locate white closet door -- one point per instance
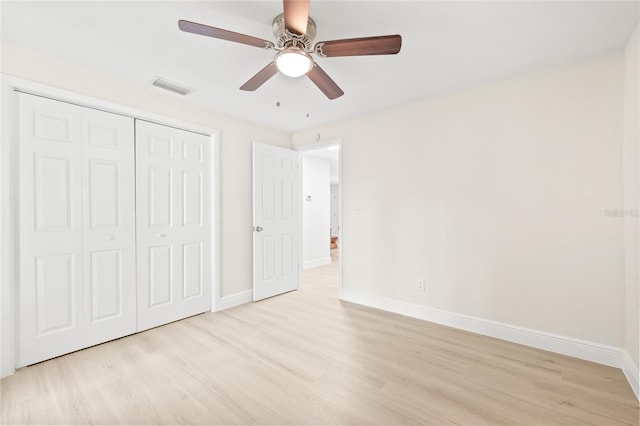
(77, 239)
(173, 224)
(109, 238)
(50, 216)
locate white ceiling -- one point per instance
(447, 46)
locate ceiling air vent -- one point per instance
(171, 86)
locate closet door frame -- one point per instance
(9, 238)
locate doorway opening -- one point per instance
(321, 208)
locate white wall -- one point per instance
(236, 138)
(315, 213)
(497, 197)
(631, 212)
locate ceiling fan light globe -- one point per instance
(293, 62)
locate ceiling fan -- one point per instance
(295, 32)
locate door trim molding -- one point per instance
(9, 85)
(232, 300)
(631, 372)
(312, 147)
(8, 225)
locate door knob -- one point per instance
(161, 235)
(258, 228)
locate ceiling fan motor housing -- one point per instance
(285, 38)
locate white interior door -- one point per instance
(173, 198)
(276, 221)
(76, 209)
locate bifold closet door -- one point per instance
(76, 228)
(173, 205)
(109, 231)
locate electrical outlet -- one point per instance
(421, 285)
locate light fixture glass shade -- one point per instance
(293, 62)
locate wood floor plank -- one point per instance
(307, 358)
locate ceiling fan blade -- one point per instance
(260, 78)
(380, 45)
(296, 15)
(324, 82)
(205, 30)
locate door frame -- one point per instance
(322, 144)
(9, 238)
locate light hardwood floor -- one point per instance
(307, 358)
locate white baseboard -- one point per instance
(590, 351)
(632, 372)
(316, 262)
(232, 300)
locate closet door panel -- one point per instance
(76, 228)
(108, 243)
(50, 229)
(173, 236)
(109, 226)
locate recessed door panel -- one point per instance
(54, 126)
(192, 151)
(268, 248)
(102, 135)
(52, 185)
(160, 146)
(268, 199)
(192, 271)
(160, 275)
(106, 284)
(103, 191)
(192, 198)
(267, 160)
(287, 199)
(160, 196)
(287, 255)
(55, 282)
(287, 164)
